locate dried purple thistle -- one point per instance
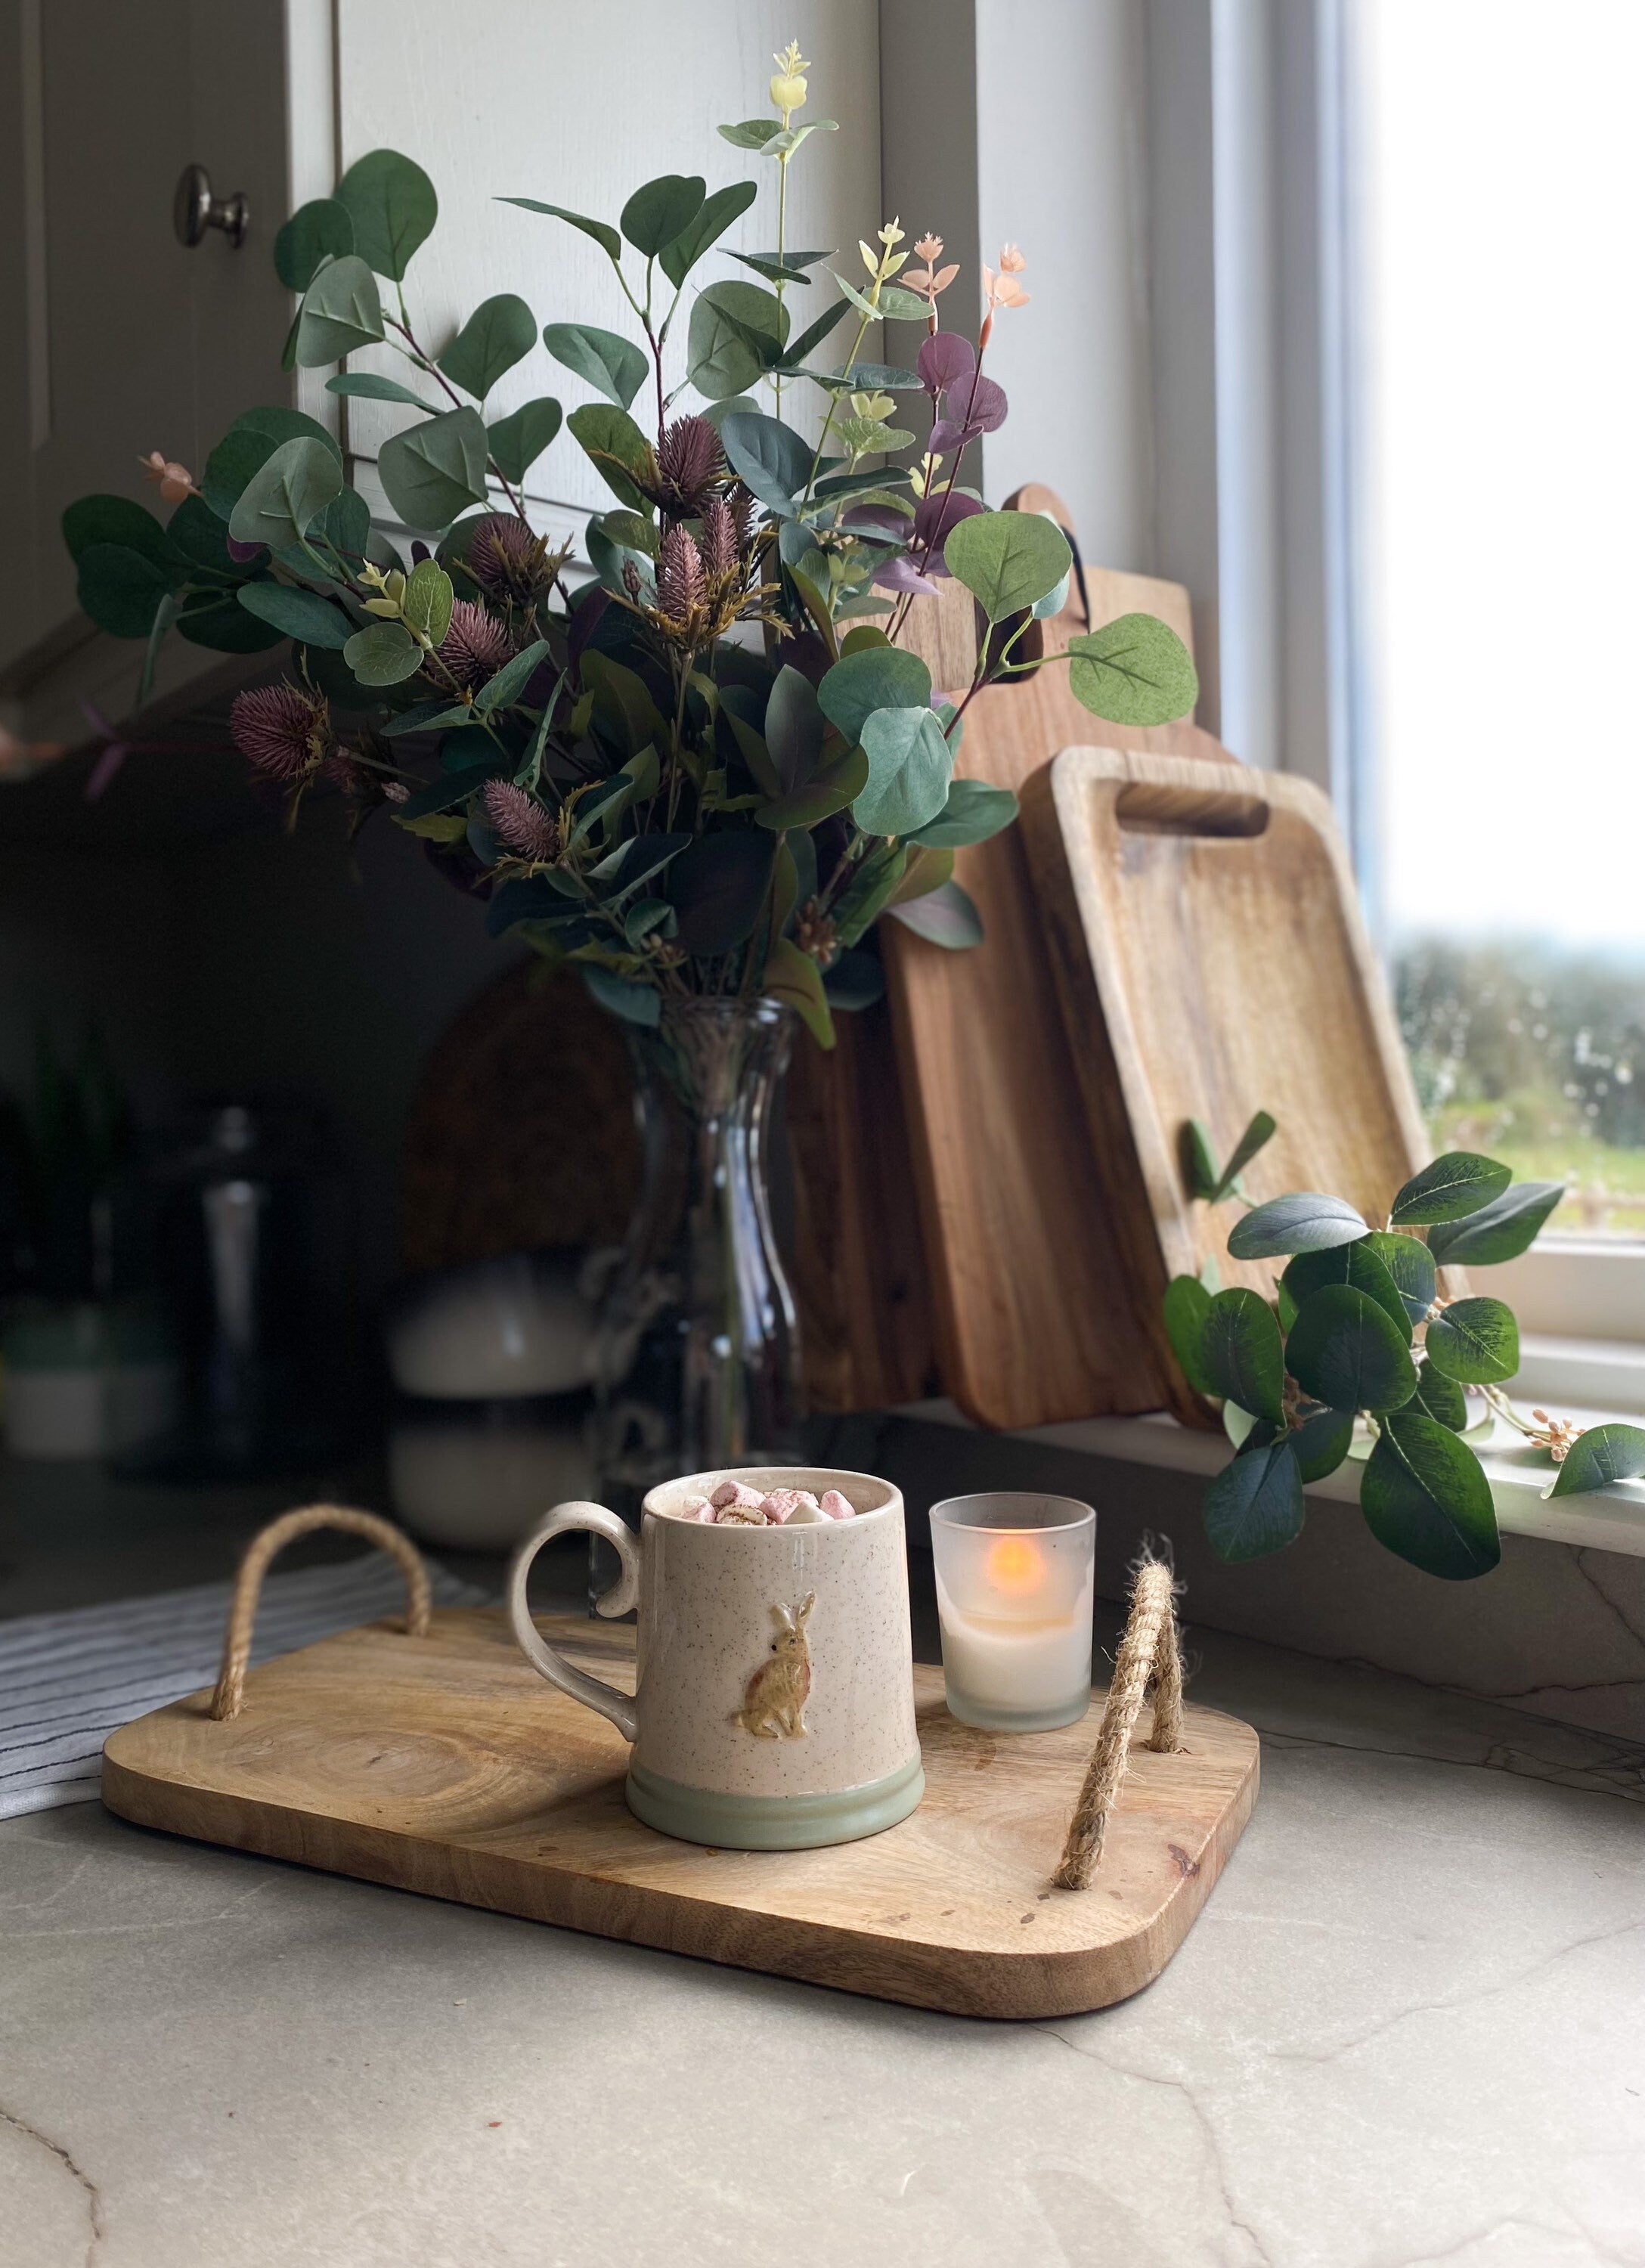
(690, 464)
(476, 645)
(522, 824)
(740, 502)
(721, 553)
(681, 589)
(282, 730)
(503, 558)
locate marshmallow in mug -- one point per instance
(735, 1504)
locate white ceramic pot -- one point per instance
(775, 1704)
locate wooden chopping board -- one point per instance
(1031, 1283)
(1211, 962)
(444, 1764)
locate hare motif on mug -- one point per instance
(773, 1704)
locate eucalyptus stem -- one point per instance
(782, 224)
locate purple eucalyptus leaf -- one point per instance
(935, 515)
(947, 359)
(242, 554)
(878, 526)
(986, 407)
(947, 436)
(901, 575)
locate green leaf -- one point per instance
(433, 471)
(736, 333)
(894, 305)
(518, 440)
(794, 727)
(117, 519)
(878, 677)
(1411, 1264)
(717, 887)
(341, 312)
(1303, 1221)
(1198, 1159)
(788, 268)
(1187, 1307)
(1255, 1504)
(1439, 1398)
(830, 790)
(974, 813)
(1242, 1354)
(501, 332)
(1133, 671)
(370, 386)
(1499, 1230)
(1321, 1442)
(1257, 1136)
(910, 766)
(613, 365)
(120, 589)
(1346, 1350)
(1425, 1496)
(320, 230)
(788, 138)
(195, 530)
(662, 210)
(426, 604)
(277, 504)
(635, 1003)
(1475, 1342)
(792, 976)
(297, 614)
(714, 218)
(393, 206)
(1603, 1455)
(1450, 1188)
(226, 627)
(946, 917)
(768, 457)
(752, 134)
(865, 899)
(383, 654)
(813, 336)
(246, 447)
(615, 446)
(510, 680)
(1357, 1263)
(1008, 559)
(602, 232)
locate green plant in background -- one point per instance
(710, 764)
(1357, 1338)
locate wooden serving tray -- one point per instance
(444, 1764)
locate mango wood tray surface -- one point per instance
(444, 1765)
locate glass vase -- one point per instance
(697, 1351)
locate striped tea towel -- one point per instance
(67, 1679)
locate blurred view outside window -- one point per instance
(1499, 196)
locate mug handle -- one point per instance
(548, 1661)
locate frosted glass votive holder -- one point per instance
(1016, 1578)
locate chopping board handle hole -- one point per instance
(1149, 808)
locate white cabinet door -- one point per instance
(578, 105)
(120, 338)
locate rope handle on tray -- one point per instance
(242, 1608)
(1149, 1649)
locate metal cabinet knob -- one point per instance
(195, 210)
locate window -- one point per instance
(1496, 180)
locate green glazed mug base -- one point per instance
(773, 1822)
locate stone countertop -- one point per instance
(1405, 2029)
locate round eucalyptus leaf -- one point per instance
(518, 440)
(120, 588)
(392, 204)
(427, 603)
(341, 312)
(433, 471)
(682, 251)
(1303, 1221)
(1451, 1188)
(717, 887)
(878, 677)
(1187, 1307)
(296, 614)
(321, 230)
(1441, 1398)
(1411, 1264)
(280, 502)
(1356, 1263)
(1499, 1230)
(946, 917)
(1255, 1504)
(501, 332)
(1603, 1455)
(118, 520)
(1321, 1442)
(1346, 1350)
(612, 365)
(1241, 1353)
(1425, 1496)
(662, 210)
(1133, 671)
(1475, 1341)
(974, 813)
(1007, 560)
(910, 766)
(383, 654)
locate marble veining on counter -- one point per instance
(1406, 2031)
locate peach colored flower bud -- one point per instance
(174, 481)
(1011, 261)
(929, 249)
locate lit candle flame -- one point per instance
(1015, 1564)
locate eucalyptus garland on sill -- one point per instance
(699, 772)
(1358, 1340)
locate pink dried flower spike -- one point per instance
(522, 824)
(475, 644)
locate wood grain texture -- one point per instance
(1036, 1320)
(444, 1765)
(1209, 971)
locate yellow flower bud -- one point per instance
(788, 88)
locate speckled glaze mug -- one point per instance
(775, 1704)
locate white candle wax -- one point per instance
(1011, 1662)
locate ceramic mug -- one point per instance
(774, 1709)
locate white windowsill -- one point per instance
(1611, 1519)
